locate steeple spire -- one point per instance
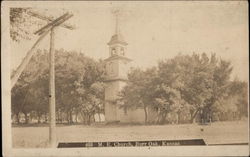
(116, 12)
(117, 37)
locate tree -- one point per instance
(18, 23)
(139, 91)
(202, 79)
(39, 97)
(91, 90)
(30, 91)
(79, 85)
(173, 73)
(74, 72)
(92, 101)
(17, 100)
(221, 82)
(186, 82)
(235, 102)
(167, 101)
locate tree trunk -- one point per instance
(76, 116)
(60, 117)
(178, 117)
(68, 117)
(89, 116)
(157, 117)
(26, 118)
(17, 118)
(86, 119)
(99, 116)
(162, 118)
(193, 116)
(71, 118)
(83, 118)
(38, 118)
(146, 114)
(46, 118)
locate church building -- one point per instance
(117, 67)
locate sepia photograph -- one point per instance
(139, 78)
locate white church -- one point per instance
(117, 67)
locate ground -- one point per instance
(216, 133)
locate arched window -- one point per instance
(113, 52)
(111, 70)
(122, 51)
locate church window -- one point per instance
(122, 51)
(110, 68)
(113, 52)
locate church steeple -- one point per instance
(117, 66)
(116, 22)
(117, 43)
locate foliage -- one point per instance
(79, 86)
(18, 24)
(196, 83)
(186, 88)
(139, 91)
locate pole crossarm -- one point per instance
(48, 19)
(56, 22)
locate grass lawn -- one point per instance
(216, 133)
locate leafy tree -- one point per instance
(193, 83)
(92, 101)
(30, 92)
(73, 72)
(17, 21)
(91, 90)
(236, 100)
(17, 100)
(168, 95)
(167, 101)
(79, 84)
(39, 97)
(139, 92)
(202, 80)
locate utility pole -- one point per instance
(50, 27)
(52, 102)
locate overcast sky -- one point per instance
(153, 30)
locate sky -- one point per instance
(153, 30)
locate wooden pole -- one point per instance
(26, 60)
(52, 103)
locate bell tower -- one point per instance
(116, 68)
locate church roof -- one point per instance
(117, 57)
(117, 39)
